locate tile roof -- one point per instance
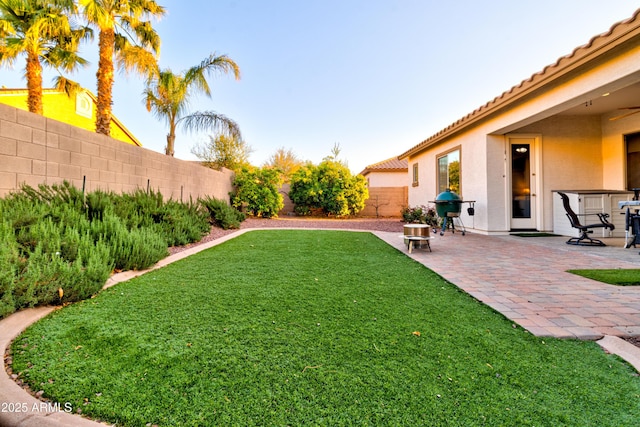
(390, 165)
(598, 45)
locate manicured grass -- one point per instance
(617, 276)
(304, 327)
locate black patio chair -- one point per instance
(584, 239)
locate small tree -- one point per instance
(377, 203)
(257, 191)
(328, 187)
(226, 151)
(285, 161)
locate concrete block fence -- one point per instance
(36, 150)
(388, 200)
(385, 202)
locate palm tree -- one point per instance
(167, 96)
(41, 30)
(124, 36)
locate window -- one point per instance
(415, 175)
(84, 105)
(633, 159)
(449, 171)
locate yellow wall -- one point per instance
(59, 106)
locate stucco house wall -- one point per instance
(387, 179)
(566, 110)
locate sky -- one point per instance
(375, 77)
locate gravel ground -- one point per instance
(377, 224)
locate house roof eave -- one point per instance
(618, 34)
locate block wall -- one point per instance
(36, 150)
(388, 200)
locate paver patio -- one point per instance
(525, 279)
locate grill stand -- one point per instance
(452, 210)
(448, 222)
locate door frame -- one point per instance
(537, 199)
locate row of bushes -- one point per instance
(60, 245)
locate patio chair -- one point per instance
(584, 239)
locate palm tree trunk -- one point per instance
(169, 151)
(105, 81)
(171, 137)
(34, 83)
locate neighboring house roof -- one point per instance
(390, 165)
(597, 47)
(78, 110)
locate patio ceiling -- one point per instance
(613, 102)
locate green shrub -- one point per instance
(97, 204)
(257, 191)
(182, 223)
(62, 261)
(178, 223)
(55, 194)
(60, 245)
(221, 213)
(134, 249)
(9, 267)
(328, 188)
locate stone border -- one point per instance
(38, 413)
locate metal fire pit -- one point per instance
(416, 236)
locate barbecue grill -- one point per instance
(448, 207)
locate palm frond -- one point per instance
(137, 59)
(211, 121)
(67, 86)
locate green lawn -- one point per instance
(617, 276)
(313, 328)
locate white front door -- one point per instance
(523, 165)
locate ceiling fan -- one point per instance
(626, 114)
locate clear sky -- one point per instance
(375, 76)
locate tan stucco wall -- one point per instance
(36, 149)
(613, 149)
(386, 179)
(579, 152)
(571, 157)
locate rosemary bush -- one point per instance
(221, 213)
(60, 245)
